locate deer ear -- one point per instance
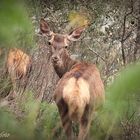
(75, 34)
(44, 27)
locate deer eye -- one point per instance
(66, 47)
(49, 43)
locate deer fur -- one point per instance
(18, 64)
(80, 90)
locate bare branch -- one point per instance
(96, 53)
(123, 34)
(127, 36)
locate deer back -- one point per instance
(18, 63)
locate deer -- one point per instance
(80, 91)
(18, 65)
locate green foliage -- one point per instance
(29, 127)
(123, 97)
(31, 108)
(9, 125)
(122, 104)
(49, 125)
(15, 24)
(7, 121)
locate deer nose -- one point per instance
(55, 58)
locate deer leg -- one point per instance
(66, 122)
(67, 125)
(85, 124)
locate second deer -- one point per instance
(80, 90)
(18, 66)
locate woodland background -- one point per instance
(111, 41)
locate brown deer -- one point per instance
(80, 90)
(18, 64)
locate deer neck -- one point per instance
(67, 65)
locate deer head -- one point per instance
(59, 43)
